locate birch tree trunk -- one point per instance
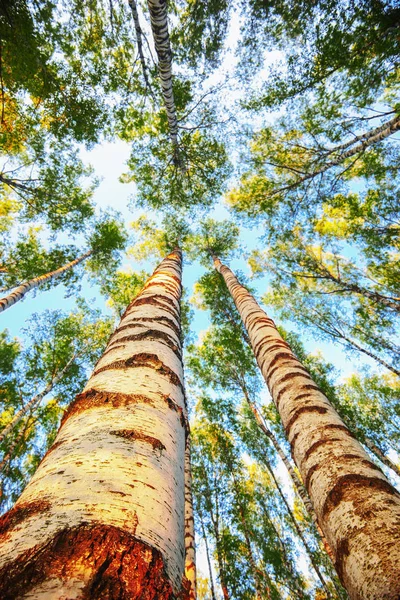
(103, 516)
(159, 26)
(21, 290)
(368, 139)
(190, 552)
(35, 401)
(357, 508)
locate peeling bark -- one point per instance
(103, 516)
(357, 509)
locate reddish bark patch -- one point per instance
(357, 488)
(131, 434)
(300, 411)
(117, 566)
(144, 359)
(309, 474)
(19, 513)
(94, 398)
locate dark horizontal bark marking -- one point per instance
(320, 442)
(300, 411)
(339, 427)
(175, 292)
(277, 346)
(94, 398)
(109, 348)
(259, 320)
(364, 461)
(261, 351)
(307, 386)
(144, 359)
(168, 274)
(162, 319)
(287, 356)
(131, 434)
(289, 377)
(157, 299)
(154, 300)
(117, 566)
(349, 487)
(294, 364)
(342, 457)
(150, 334)
(19, 513)
(128, 326)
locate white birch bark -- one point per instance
(159, 26)
(366, 140)
(357, 508)
(104, 512)
(22, 289)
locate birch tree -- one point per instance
(107, 239)
(125, 434)
(159, 27)
(348, 483)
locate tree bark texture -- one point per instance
(190, 551)
(357, 508)
(103, 516)
(159, 26)
(21, 290)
